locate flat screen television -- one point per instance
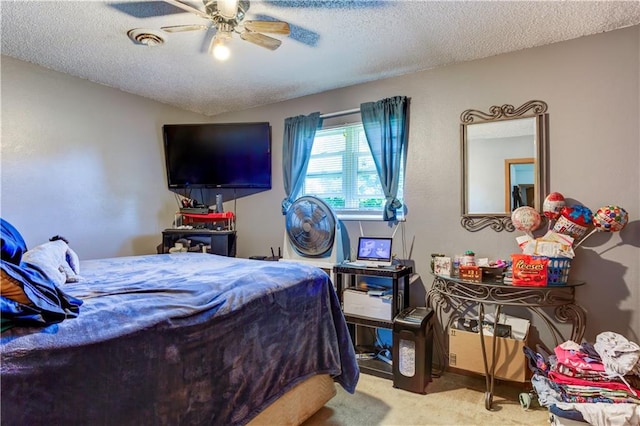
(227, 155)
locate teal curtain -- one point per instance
(299, 133)
(386, 126)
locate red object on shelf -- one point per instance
(228, 217)
(209, 216)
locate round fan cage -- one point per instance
(310, 225)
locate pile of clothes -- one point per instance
(31, 280)
(595, 383)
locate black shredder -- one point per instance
(412, 349)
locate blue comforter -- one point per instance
(176, 339)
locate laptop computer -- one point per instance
(374, 252)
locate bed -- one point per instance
(180, 339)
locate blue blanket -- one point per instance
(173, 339)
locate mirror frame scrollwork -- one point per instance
(535, 108)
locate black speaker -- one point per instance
(412, 349)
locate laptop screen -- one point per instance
(374, 251)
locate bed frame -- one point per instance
(300, 403)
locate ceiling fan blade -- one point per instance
(146, 9)
(261, 40)
(298, 33)
(304, 36)
(273, 27)
(188, 8)
(181, 28)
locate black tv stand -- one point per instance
(221, 242)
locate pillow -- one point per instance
(52, 259)
(74, 261)
(13, 245)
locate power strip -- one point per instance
(365, 356)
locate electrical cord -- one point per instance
(384, 355)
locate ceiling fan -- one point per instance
(227, 16)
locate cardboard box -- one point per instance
(465, 352)
(359, 303)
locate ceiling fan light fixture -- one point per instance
(219, 49)
(228, 8)
(221, 52)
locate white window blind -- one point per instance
(342, 172)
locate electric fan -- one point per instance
(313, 233)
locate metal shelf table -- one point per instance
(345, 277)
(453, 294)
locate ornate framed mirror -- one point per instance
(504, 163)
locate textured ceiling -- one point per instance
(333, 43)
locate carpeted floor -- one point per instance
(450, 400)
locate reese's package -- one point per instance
(529, 270)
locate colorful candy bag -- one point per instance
(529, 270)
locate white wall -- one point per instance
(86, 161)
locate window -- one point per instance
(342, 172)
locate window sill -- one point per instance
(364, 216)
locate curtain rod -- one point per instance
(340, 113)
